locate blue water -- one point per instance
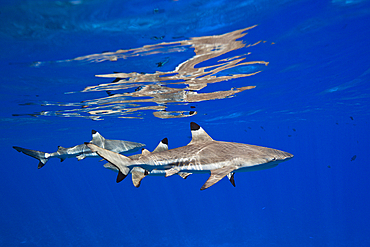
(309, 63)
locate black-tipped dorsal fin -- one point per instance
(61, 150)
(162, 146)
(198, 134)
(97, 138)
(145, 152)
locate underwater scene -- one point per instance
(185, 123)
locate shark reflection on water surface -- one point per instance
(201, 155)
(214, 61)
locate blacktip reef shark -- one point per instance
(82, 151)
(201, 155)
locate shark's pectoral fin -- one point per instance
(62, 159)
(171, 171)
(217, 175)
(138, 174)
(184, 175)
(230, 176)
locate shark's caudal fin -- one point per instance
(35, 154)
(118, 160)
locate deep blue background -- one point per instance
(312, 100)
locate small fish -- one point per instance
(353, 157)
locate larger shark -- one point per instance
(82, 151)
(201, 155)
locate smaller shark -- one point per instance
(201, 155)
(82, 151)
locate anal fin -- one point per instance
(217, 175)
(184, 175)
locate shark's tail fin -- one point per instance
(41, 156)
(118, 160)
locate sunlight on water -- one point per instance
(155, 91)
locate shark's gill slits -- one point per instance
(132, 94)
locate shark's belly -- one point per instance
(257, 167)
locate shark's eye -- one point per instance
(273, 159)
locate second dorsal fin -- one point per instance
(145, 152)
(198, 134)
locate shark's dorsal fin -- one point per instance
(198, 134)
(97, 138)
(145, 152)
(61, 149)
(162, 146)
(217, 175)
